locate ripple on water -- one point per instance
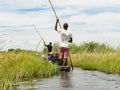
(75, 80)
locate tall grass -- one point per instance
(95, 56)
(109, 63)
(55, 48)
(91, 47)
(18, 66)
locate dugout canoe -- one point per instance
(64, 68)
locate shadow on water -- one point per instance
(65, 80)
(75, 80)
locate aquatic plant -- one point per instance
(23, 65)
(95, 56)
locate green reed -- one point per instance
(109, 63)
(96, 56)
(20, 66)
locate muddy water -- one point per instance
(75, 80)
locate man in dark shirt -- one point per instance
(49, 47)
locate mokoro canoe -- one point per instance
(64, 68)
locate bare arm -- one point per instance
(56, 24)
(44, 43)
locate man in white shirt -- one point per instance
(66, 38)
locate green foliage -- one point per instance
(86, 47)
(105, 62)
(56, 47)
(18, 50)
(24, 65)
(90, 47)
(96, 56)
(44, 50)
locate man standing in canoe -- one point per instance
(49, 47)
(66, 38)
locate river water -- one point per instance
(75, 80)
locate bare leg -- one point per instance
(61, 61)
(65, 62)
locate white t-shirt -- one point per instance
(65, 36)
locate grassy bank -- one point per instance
(20, 66)
(107, 62)
(95, 56)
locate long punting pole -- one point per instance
(61, 28)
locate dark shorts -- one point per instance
(64, 52)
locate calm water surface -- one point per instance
(75, 80)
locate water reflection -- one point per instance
(76, 80)
(65, 80)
